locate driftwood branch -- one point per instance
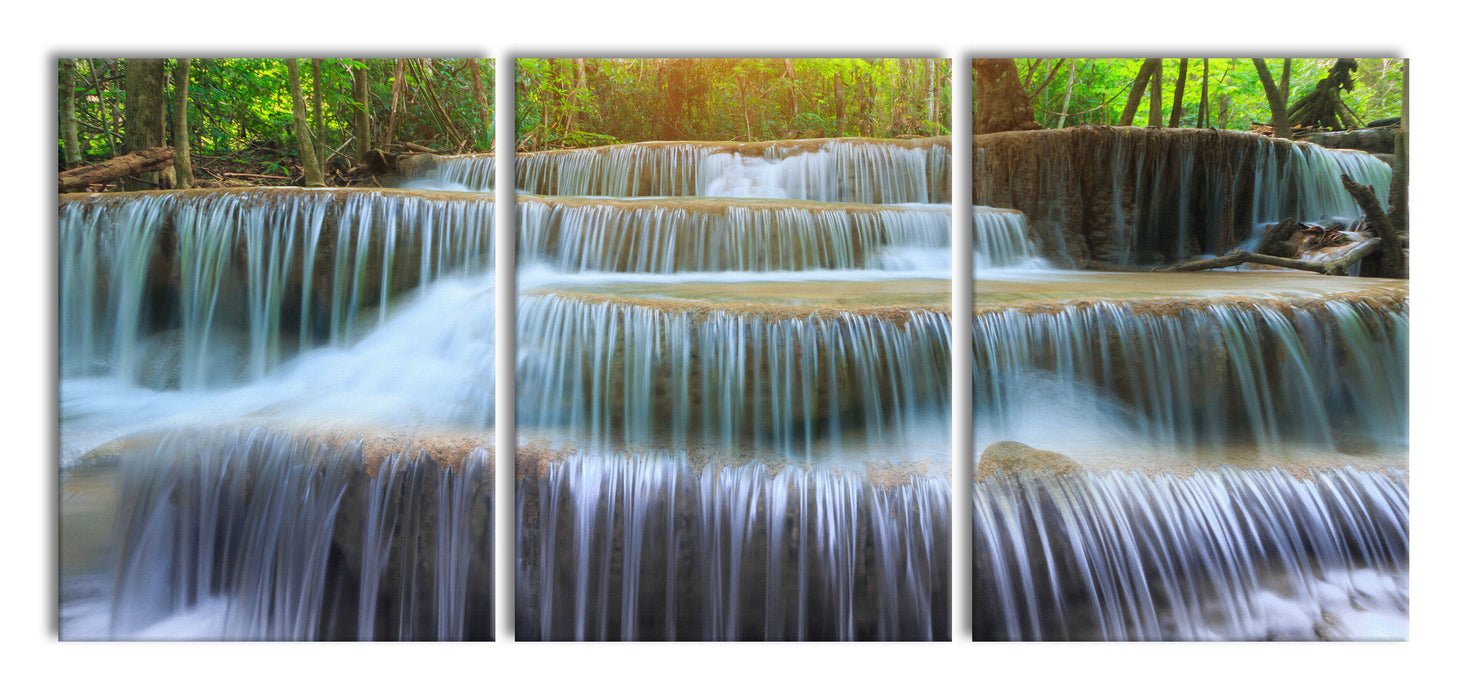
(1333, 266)
(145, 161)
(1393, 262)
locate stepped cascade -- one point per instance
(276, 410)
(733, 371)
(1183, 456)
(1133, 196)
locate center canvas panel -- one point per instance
(733, 335)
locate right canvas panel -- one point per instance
(1190, 341)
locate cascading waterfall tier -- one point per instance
(657, 546)
(257, 274)
(1190, 373)
(1218, 554)
(1134, 196)
(784, 379)
(706, 234)
(876, 171)
(254, 533)
(1002, 240)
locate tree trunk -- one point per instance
(392, 106)
(1203, 99)
(97, 65)
(1393, 262)
(318, 133)
(1397, 200)
(1175, 119)
(66, 96)
(1279, 114)
(1000, 102)
(183, 168)
(361, 123)
(790, 73)
(143, 114)
(578, 89)
(840, 106)
(1070, 84)
(1154, 101)
(479, 98)
(304, 146)
(1139, 86)
(149, 160)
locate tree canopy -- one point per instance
(567, 103)
(240, 109)
(1072, 91)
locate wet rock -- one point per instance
(1015, 459)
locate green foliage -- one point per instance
(243, 104)
(1101, 87)
(726, 99)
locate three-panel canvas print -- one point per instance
(764, 367)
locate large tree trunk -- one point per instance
(1154, 101)
(477, 84)
(361, 123)
(1139, 87)
(183, 168)
(309, 164)
(66, 97)
(1175, 119)
(1000, 102)
(1279, 114)
(149, 160)
(143, 115)
(1397, 199)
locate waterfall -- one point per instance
(668, 236)
(1002, 240)
(608, 371)
(829, 170)
(1195, 375)
(652, 546)
(1149, 196)
(255, 534)
(1226, 554)
(235, 281)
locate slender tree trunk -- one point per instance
(1139, 87)
(318, 134)
(1070, 84)
(143, 115)
(1225, 111)
(794, 107)
(1284, 85)
(392, 106)
(578, 89)
(1203, 99)
(183, 168)
(97, 66)
(1175, 119)
(840, 106)
(1154, 102)
(1277, 111)
(309, 163)
(66, 97)
(362, 124)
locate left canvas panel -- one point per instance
(276, 349)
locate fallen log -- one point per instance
(1393, 263)
(1333, 266)
(145, 161)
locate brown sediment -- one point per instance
(1013, 459)
(279, 193)
(705, 205)
(888, 301)
(1155, 294)
(758, 148)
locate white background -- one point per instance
(39, 33)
